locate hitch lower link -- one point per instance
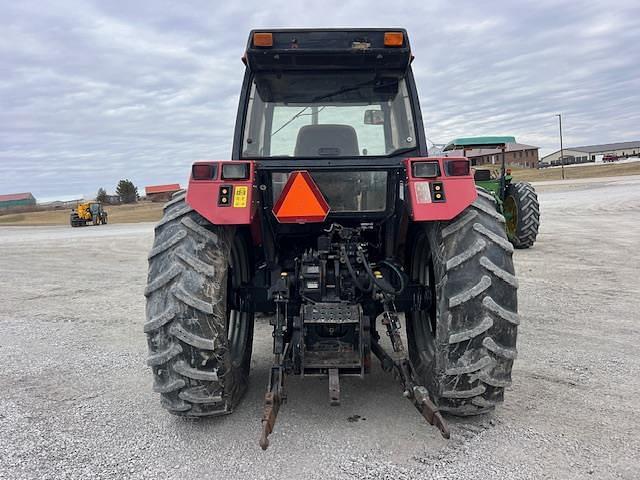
(418, 394)
(276, 395)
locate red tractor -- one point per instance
(332, 219)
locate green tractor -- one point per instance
(517, 201)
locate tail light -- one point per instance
(203, 171)
(426, 169)
(235, 171)
(458, 168)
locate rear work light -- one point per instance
(457, 168)
(262, 39)
(203, 171)
(426, 169)
(393, 39)
(235, 171)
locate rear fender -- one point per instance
(223, 201)
(440, 197)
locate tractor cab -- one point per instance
(329, 95)
(96, 209)
(341, 105)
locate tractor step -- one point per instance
(331, 359)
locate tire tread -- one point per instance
(476, 299)
(526, 201)
(185, 316)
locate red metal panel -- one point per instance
(459, 192)
(203, 195)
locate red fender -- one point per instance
(223, 201)
(444, 195)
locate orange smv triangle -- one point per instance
(301, 201)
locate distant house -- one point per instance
(516, 154)
(593, 153)
(112, 199)
(61, 201)
(58, 204)
(161, 193)
(17, 200)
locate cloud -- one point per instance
(95, 91)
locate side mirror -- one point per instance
(373, 117)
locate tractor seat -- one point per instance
(327, 141)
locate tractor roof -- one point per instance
(478, 142)
(328, 48)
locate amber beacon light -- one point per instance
(263, 39)
(393, 39)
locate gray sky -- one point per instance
(95, 91)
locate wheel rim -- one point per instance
(424, 321)
(510, 215)
(237, 321)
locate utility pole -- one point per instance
(559, 115)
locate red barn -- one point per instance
(17, 200)
(161, 193)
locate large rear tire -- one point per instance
(522, 213)
(199, 346)
(464, 346)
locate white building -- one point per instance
(593, 153)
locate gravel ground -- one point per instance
(77, 399)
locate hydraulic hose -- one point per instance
(382, 287)
(352, 272)
(400, 274)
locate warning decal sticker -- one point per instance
(240, 194)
